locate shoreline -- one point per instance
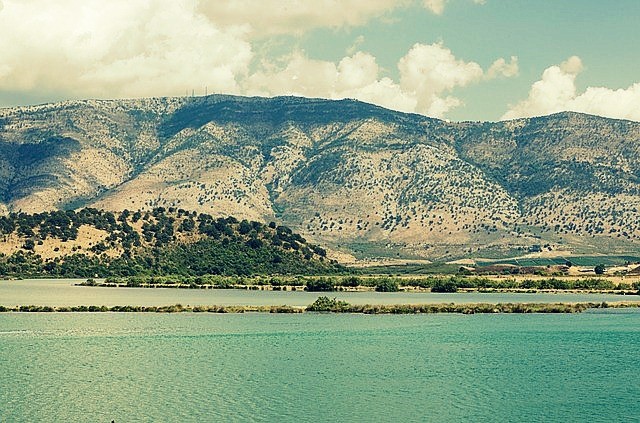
(363, 288)
(327, 305)
(354, 283)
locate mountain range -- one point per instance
(364, 181)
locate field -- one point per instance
(617, 266)
(586, 261)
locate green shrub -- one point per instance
(328, 304)
(351, 281)
(444, 286)
(387, 285)
(320, 285)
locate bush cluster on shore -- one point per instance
(377, 283)
(174, 308)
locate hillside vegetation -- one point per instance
(95, 243)
(357, 178)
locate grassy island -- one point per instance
(332, 305)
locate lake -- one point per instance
(136, 367)
(63, 292)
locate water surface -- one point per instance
(136, 367)
(63, 292)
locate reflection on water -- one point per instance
(63, 292)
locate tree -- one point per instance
(599, 269)
(328, 304)
(387, 285)
(255, 243)
(29, 244)
(245, 227)
(320, 285)
(444, 286)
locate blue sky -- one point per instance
(453, 59)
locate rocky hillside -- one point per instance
(355, 177)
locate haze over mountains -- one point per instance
(349, 175)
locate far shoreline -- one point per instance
(405, 289)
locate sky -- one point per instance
(450, 59)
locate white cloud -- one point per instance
(550, 94)
(356, 76)
(428, 74)
(356, 44)
(386, 93)
(428, 71)
(301, 76)
(268, 17)
(557, 92)
(503, 68)
(620, 104)
(572, 66)
(91, 48)
(115, 49)
(436, 6)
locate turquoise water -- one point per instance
(63, 292)
(134, 367)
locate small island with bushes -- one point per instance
(325, 304)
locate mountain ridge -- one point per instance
(350, 175)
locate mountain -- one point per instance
(358, 178)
